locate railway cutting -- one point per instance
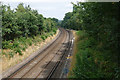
(51, 62)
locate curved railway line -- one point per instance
(46, 64)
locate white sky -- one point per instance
(48, 8)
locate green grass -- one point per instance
(21, 44)
(93, 61)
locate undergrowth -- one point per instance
(18, 45)
(93, 60)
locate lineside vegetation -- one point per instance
(21, 25)
(99, 39)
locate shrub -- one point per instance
(17, 50)
(24, 48)
(54, 31)
(46, 36)
(43, 37)
(11, 54)
(51, 34)
(6, 44)
(15, 44)
(30, 43)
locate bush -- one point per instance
(54, 31)
(7, 45)
(17, 50)
(43, 37)
(29, 42)
(15, 44)
(24, 48)
(51, 34)
(46, 36)
(33, 30)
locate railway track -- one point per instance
(46, 63)
(54, 70)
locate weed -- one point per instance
(11, 54)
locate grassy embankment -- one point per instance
(21, 48)
(92, 60)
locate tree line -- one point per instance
(24, 22)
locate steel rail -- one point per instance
(58, 62)
(38, 62)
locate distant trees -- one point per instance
(54, 19)
(24, 22)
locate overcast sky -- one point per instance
(48, 8)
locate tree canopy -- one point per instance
(24, 22)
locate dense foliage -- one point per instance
(22, 24)
(98, 53)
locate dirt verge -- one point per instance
(73, 60)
